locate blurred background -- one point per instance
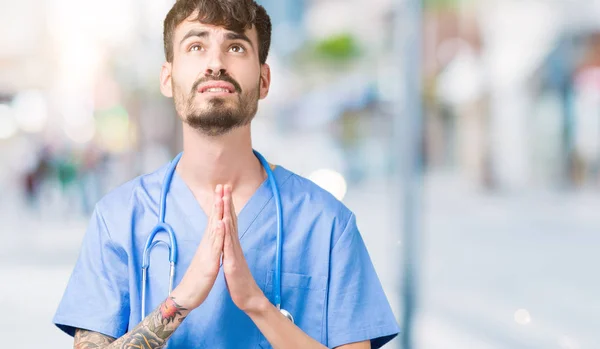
(484, 231)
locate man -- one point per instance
(216, 72)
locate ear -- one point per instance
(265, 80)
(166, 88)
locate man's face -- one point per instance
(215, 78)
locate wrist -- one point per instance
(257, 306)
(185, 299)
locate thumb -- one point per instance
(219, 235)
(228, 253)
(218, 242)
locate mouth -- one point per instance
(216, 88)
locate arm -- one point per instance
(283, 334)
(246, 295)
(157, 327)
(151, 333)
(154, 331)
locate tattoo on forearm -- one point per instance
(85, 339)
(156, 328)
(151, 333)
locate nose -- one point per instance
(215, 65)
(215, 73)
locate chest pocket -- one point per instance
(304, 297)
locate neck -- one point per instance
(211, 160)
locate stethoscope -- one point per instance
(172, 245)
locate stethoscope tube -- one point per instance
(161, 226)
(277, 279)
(278, 252)
(172, 245)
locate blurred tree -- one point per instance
(340, 47)
(437, 4)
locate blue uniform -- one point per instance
(328, 282)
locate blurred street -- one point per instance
(481, 287)
(513, 271)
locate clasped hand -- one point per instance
(220, 242)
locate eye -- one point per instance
(195, 47)
(237, 48)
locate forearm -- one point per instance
(279, 331)
(152, 333)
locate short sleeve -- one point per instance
(96, 297)
(357, 308)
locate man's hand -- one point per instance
(202, 272)
(244, 291)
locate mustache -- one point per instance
(225, 78)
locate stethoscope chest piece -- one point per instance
(287, 315)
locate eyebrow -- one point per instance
(239, 36)
(204, 34)
(194, 32)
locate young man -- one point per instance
(224, 217)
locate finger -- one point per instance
(232, 238)
(234, 219)
(230, 219)
(211, 220)
(216, 215)
(233, 215)
(218, 241)
(228, 240)
(228, 193)
(219, 236)
(227, 201)
(218, 204)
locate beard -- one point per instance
(218, 115)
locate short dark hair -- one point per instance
(234, 15)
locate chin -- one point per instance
(208, 110)
(212, 101)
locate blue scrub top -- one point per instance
(329, 284)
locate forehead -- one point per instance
(214, 30)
